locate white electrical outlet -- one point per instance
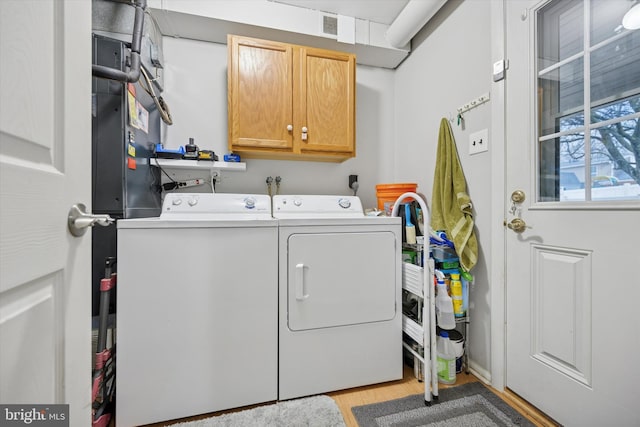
(479, 141)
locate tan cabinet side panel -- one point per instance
(260, 95)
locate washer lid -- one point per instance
(315, 206)
(216, 206)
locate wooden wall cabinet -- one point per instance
(290, 102)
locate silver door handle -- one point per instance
(79, 220)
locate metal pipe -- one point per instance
(411, 19)
(133, 75)
(269, 182)
(278, 179)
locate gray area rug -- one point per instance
(316, 411)
(467, 405)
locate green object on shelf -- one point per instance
(409, 255)
(450, 264)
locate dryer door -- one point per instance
(338, 279)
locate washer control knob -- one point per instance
(249, 203)
(176, 202)
(193, 201)
(297, 202)
(344, 203)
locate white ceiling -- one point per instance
(381, 11)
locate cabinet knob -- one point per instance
(304, 133)
(289, 128)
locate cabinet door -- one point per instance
(260, 95)
(327, 101)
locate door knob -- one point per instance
(518, 196)
(517, 224)
(79, 220)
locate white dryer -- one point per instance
(340, 315)
(197, 308)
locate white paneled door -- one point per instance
(45, 167)
(572, 266)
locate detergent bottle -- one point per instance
(444, 304)
(446, 359)
(456, 295)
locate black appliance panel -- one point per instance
(117, 188)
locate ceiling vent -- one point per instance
(329, 25)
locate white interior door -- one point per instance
(45, 152)
(572, 282)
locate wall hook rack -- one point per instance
(458, 117)
(474, 103)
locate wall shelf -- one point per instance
(198, 165)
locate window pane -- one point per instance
(562, 166)
(616, 110)
(561, 94)
(606, 168)
(560, 32)
(614, 160)
(606, 18)
(615, 70)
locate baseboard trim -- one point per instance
(533, 413)
(482, 374)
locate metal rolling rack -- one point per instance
(423, 333)
(421, 328)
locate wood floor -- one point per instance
(407, 386)
(346, 399)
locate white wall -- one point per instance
(450, 65)
(397, 121)
(196, 92)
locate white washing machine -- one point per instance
(340, 313)
(197, 308)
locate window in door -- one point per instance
(588, 86)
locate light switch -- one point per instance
(479, 141)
